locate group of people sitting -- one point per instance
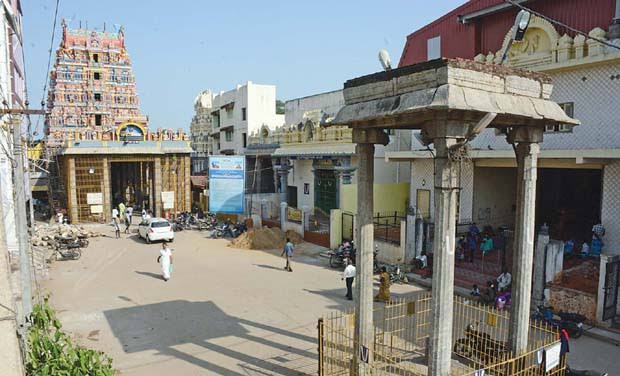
(497, 292)
(476, 241)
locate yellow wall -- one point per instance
(387, 197)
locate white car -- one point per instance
(153, 229)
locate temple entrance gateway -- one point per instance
(132, 184)
(151, 175)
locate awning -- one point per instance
(311, 150)
(228, 106)
(199, 182)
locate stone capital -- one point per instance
(370, 136)
(525, 134)
(446, 129)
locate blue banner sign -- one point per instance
(226, 184)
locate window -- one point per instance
(96, 58)
(433, 48)
(244, 115)
(97, 119)
(216, 120)
(97, 76)
(569, 109)
(229, 136)
(245, 140)
(97, 97)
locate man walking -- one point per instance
(288, 252)
(349, 275)
(128, 216)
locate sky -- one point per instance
(180, 48)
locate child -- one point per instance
(475, 291)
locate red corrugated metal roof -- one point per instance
(487, 33)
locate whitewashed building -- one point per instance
(238, 112)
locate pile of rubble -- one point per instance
(265, 238)
(583, 277)
(43, 235)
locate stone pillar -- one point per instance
(283, 170)
(305, 218)
(187, 184)
(364, 329)
(107, 192)
(538, 290)
(419, 236)
(283, 208)
(446, 184)
(410, 243)
(527, 149)
(73, 205)
(157, 182)
(363, 318)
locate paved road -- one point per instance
(590, 353)
(224, 312)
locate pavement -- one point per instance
(224, 312)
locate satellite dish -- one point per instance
(384, 58)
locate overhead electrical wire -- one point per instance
(49, 62)
(577, 31)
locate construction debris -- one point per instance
(265, 238)
(43, 235)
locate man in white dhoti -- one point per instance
(165, 258)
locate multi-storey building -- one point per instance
(236, 113)
(92, 87)
(200, 129)
(12, 95)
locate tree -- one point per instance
(279, 107)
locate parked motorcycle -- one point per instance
(67, 251)
(478, 345)
(572, 322)
(223, 230)
(345, 251)
(396, 275)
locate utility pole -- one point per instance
(20, 220)
(20, 211)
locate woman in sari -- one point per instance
(384, 286)
(165, 258)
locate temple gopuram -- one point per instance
(99, 146)
(92, 88)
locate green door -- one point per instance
(325, 190)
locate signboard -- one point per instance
(167, 199)
(94, 198)
(293, 214)
(129, 132)
(96, 209)
(364, 354)
(552, 356)
(226, 184)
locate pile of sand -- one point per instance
(265, 238)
